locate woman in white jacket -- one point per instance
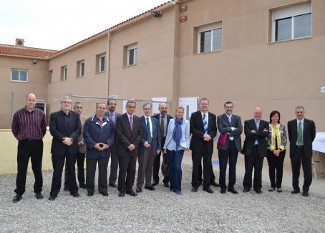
(177, 141)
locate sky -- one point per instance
(61, 23)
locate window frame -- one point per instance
(80, 68)
(207, 28)
(128, 49)
(19, 75)
(101, 63)
(64, 73)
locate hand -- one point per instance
(276, 152)
(206, 137)
(253, 131)
(98, 147)
(131, 147)
(146, 144)
(233, 128)
(67, 141)
(157, 151)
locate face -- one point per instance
(204, 105)
(66, 105)
(258, 113)
(130, 108)
(275, 118)
(147, 110)
(229, 108)
(30, 101)
(163, 108)
(300, 112)
(78, 108)
(179, 113)
(111, 105)
(100, 110)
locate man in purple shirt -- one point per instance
(29, 128)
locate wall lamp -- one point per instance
(34, 61)
(156, 13)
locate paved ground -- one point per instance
(163, 211)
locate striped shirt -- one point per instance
(29, 125)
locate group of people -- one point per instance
(127, 138)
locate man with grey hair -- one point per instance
(65, 127)
(301, 133)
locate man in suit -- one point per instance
(301, 133)
(128, 132)
(65, 127)
(149, 147)
(255, 149)
(203, 129)
(112, 115)
(163, 120)
(230, 127)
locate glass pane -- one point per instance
(205, 41)
(217, 38)
(283, 29)
(135, 56)
(23, 76)
(102, 64)
(14, 75)
(131, 57)
(302, 25)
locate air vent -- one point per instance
(19, 42)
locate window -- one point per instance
(101, 62)
(64, 73)
(18, 75)
(209, 38)
(291, 23)
(80, 68)
(130, 55)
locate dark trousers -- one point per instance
(102, 174)
(58, 163)
(126, 175)
(230, 154)
(29, 149)
(253, 161)
(80, 170)
(300, 158)
(207, 167)
(156, 168)
(145, 167)
(114, 166)
(175, 169)
(275, 168)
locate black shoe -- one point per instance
(215, 184)
(233, 191)
(138, 190)
(17, 198)
(246, 190)
(113, 185)
(66, 189)
(151, 188)
(39, 196)
(271, 189)
(194, 189)
(89, 194)
(52, 198)
(166, 185)
(223, 191)
(131, 193)
(76, 194)
(279, 190)
(121, 194)
(295, 191)
(305, 193)
(209, 190)
(258, 191)
(105, 194)
(155, 183)
(82, 186)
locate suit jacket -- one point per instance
(261, 135)
(163, 138)
(59, 129)
(126, 136)
(224, 127)
(309, 133)
(197, 131)
(155, 140)
(113, 148)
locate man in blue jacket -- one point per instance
(99, 137)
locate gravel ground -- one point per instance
(160, 210)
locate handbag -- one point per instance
(222, 140)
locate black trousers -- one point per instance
(156, 166)
(230, 154)
(29, 149)
(126, 175)
(80, 170)
(213, 177)
(253, 161)
(102, 174)
(197, 157)
(114, 166)
(58, 164)
(300, 158)
(275, 168)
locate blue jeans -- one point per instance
(175, 169)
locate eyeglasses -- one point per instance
(78, 107)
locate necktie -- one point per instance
(205, 123)
(300, 141)
(229, 119)
(162, 126)
(257, 122)
(131, 122)
(111, 117)
(148, 128)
